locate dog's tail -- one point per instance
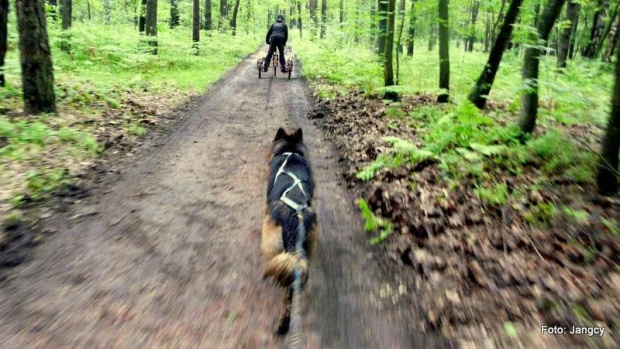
(282, 267)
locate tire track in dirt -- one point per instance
(172, 258)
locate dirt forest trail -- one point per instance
(169, 257)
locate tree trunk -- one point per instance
(233, 21)
(487, 32)
(174, 13)
(411, 34)
(142, 18)
(313, 4)
(35, 58)
(107, 12)
(472, 29)
(223, 12)
(151, 25)
(432, 36)
(444, 52)
(401, 18)
(499, 20)
(382, 12)
(607, 178)
(323, 18)
(611, 24)
(299, 19)
(341, 11)
(596, 33)
(88, 8)
(482, 88)
(615, 37)
(53, 9)
(388, 70)
(572, 15)
(531, 61)
(66, 11)
(196, 27)
(399, 40)
(208, 15)
(4, 16)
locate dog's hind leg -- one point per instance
(285, 315)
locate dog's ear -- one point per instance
(299, 135)
(280, 134)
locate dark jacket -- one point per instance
(278, 29)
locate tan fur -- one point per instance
(271, 244)
(282, 267)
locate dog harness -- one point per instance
(297, 207)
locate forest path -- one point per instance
(171, 257)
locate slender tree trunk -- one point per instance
(531, 61)
(323, 18)
(4, 16)
(382, 7)
(401, 18)
(472, 29)
(107, 10)
(482, 88)
(142, 17)
(299, 19)
(88, 8)
(607, 178)
(432, 36)
(174, 13)
(374, 38)
(499, 20)
(399, 40)
(196, 26)
(66, 11)
(388, 69)
(53, 9)
(313, 4)
(208, 15)
(572, 15)
(35, 58)
(596, 33)
(223, 12)
(611, 24)
(615, 37)
(411, 34)
(487, 31)
(151, 25)
(444, 52)
(341, 17)
(233, 21)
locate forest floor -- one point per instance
(162, 248)
(487, 253)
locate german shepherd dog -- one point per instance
(290, 188)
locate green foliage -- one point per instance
(373, 224)
(401, 152)
(557, 155)
(612, 226)
(494, 195)
(40, 183)
(137, 130)
(541, 213)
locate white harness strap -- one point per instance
(296, 183)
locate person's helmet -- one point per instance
(280, 18)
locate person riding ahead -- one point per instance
(276, 38)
